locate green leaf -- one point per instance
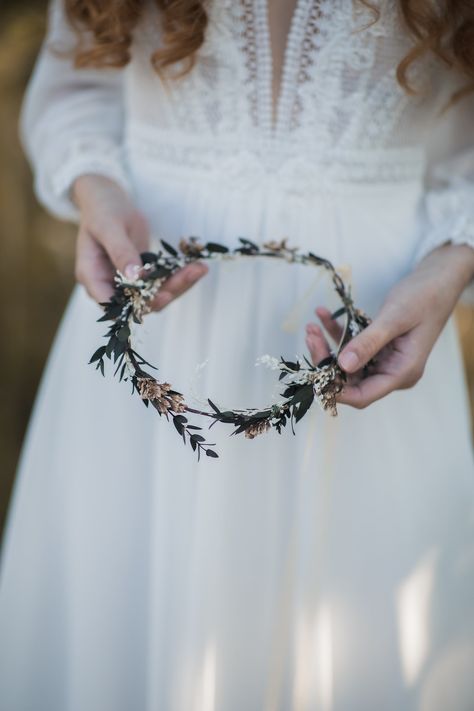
(112, 311)
(215, 247)
(214, 407)
(110, 346)
(290, 391)
(119, 348)
(98, 354)
(158, 272)
(178, 425)
(148, 257)
(249, 243)
(171, 250)
(325, 361)
(303, 392)
(304, 407)
(124, 333)
(118, 366)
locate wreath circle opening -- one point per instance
(303, 381)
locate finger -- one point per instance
(93, 268)
(367, 344)
(178, 284)
(330, 324)
(367, 391)
(123, 253)
(316, 343)
(139, 231)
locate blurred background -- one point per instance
(37, 251)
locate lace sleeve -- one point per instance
(448, 203)
(71, 120)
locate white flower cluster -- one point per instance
(269, 361)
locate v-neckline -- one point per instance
(280, 20)
(273, 110)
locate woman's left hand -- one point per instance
(403, 333)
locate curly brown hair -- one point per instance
(445, 28)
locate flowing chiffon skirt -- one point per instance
(332, 570)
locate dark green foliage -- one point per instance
(299, 392)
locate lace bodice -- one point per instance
(337, 87)
(309, 104)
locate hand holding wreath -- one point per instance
(402, 335)
(112, 233)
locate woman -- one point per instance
(330, 570)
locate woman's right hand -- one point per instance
(112, 233)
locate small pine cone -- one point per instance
(162, 405)
(149, 389)
(257, 428)
(177, 403)
(190, 248)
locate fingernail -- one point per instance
(349, 360)
(131, 271)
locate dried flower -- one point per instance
(177, 403)
(165, 401)
(269, 361)
(149, 389)
(327, 383)
(140, 299)
(191, 247)
(257, 428)
(280, 246)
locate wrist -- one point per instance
(456, 261)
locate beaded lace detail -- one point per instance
(338, 103)
(338, 86)
(306, 27)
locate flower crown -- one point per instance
(303, 382)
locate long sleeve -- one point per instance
(448, 205)
(71, 121)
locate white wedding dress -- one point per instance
(328, 571)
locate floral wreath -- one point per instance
(303, 381)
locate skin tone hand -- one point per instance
(404, 331)
(112, 233)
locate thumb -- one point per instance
(122, 252)
(365, 345)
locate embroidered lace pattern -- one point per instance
(338, 107)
